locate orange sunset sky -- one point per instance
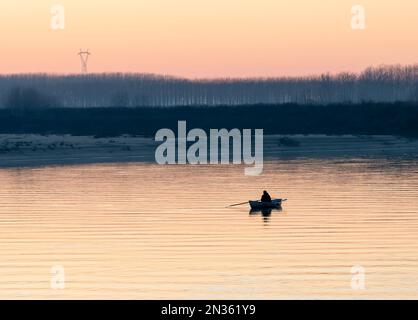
(207, 38)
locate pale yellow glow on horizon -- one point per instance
(202, 38)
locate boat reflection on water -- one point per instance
(265, 212)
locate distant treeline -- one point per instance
(366, 118)
(379, 84)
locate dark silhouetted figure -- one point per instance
(265, 197)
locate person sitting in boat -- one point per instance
(265, 197)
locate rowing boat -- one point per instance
(256, 204)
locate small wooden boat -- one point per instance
(256, 204)
(265, 211)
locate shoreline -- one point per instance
(33, 150)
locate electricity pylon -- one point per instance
(84, 57)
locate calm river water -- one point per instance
(140, 230)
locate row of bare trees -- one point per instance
(377, 84)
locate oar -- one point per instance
(238, 204)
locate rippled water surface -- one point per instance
(140, 230)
